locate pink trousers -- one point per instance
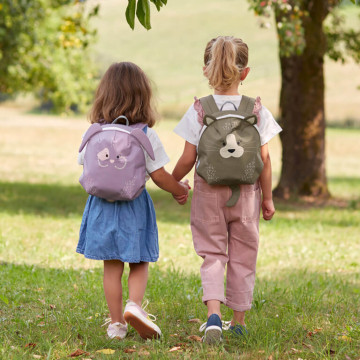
(226, 237)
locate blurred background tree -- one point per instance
(44, 50)
(304, 39)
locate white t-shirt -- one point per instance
(190, 129)
(161, 158)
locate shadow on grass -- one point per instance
(58, 200)
(337, 185)
(42, 199)
(314, 313)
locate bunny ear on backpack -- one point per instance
(144, 141)
(92, 130)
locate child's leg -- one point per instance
(242, 252)
(137, 281)
(134, 314)
(113, 270)
(241, 269)
(209, 230)
(239, 317)
(213, 307)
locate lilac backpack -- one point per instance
(114, 160)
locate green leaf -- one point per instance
(143, 13)
(95, 11)
(130, 13)
(157, 3)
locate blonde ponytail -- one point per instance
(225, 57)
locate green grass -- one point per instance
(307, 293)
(296, 314)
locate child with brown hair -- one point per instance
(126, 231)
(226, 236)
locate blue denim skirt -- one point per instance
(120, 230)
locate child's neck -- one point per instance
(226, 93)
(233, 90)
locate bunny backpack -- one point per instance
(114, 160)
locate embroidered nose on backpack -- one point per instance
(114, 161)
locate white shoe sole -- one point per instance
(113, 334)
(146, 328)
(116, 337)
(213, 335)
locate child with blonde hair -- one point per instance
(226, 236)
(120, 232)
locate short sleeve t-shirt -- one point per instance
(161, 158)
(190, 129)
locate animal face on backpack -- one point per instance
(229, 148)
(233, 144)
(113, 158)
(114, 161)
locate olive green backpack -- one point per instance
(229, 148)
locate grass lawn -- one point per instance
(307, 294)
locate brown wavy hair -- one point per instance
(225, 58)
(124, 90)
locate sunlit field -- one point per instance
(307, 292)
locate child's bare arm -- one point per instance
(186, 161)
(167, 182)
(267, 205)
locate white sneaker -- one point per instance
(117, 330)
(139, 319)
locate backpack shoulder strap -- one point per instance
(209, 105)
(141, 126)
(246, 106)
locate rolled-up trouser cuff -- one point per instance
(237, 307)
(213, 297)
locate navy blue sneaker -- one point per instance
(213, 330)
(238, 330)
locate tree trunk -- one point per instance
(302, 113)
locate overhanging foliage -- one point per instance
(44, 50)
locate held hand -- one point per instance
(186, 182)
(181, 199)
(268, 209)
